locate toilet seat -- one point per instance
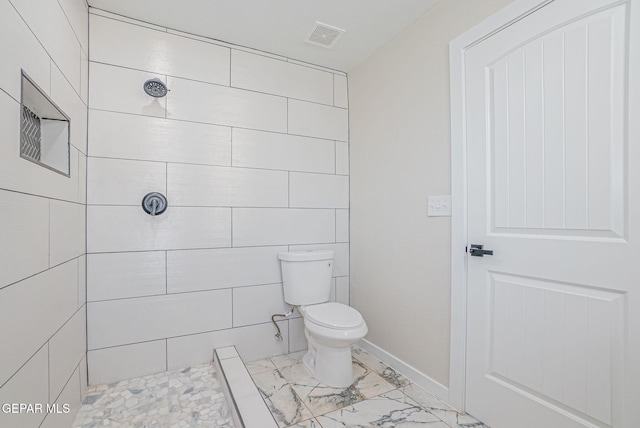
(333, 315)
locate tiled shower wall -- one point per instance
(251, 151)
(42, 225)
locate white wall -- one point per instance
(251, 151)
(42, 225)
(400, 154)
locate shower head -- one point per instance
(155, 87)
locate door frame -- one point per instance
(457, 48)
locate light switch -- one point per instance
(439, 206)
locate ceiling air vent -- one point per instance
(324, 35)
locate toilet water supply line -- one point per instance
(278, 335)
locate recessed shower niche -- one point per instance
(44, 129)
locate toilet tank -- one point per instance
(306, 276)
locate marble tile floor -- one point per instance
(191, 397)
(378, 397)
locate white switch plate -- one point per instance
(439, 206)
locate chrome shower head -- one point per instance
(155, 87)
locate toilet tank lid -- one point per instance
(306, 256)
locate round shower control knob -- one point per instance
(154, 203)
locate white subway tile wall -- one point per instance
(257, 149)
(280, 226)
(253, 305)
(342, 225)
(115, 135)
(197, 270)
(136, 47)
(124, 275)
(251, 151)
(120, 182)
(211, 186)
(128, 228)
(317, 120)
(342, 158)
(66, 348)
(340, 95)
(71, 390)
(126, 321)
(123, 362)
(29, 385)
(43, 245)
(297, 340)
(66, 231)
(318, 190)
(256, 72)
(223, 105)
(120, 89)
(252, 342)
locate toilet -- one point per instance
(330, 328)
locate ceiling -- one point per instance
(280, 26)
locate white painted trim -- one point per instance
(457, 352)
(457, 47)
(408, 371)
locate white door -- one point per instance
(553, 188)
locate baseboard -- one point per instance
(408, 371)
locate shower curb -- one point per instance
(248, 409)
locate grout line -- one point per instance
(9, 95)
(40, 196)
(231, 228)
(71, 25)
(288, 189)
(222, 207)
(49, 233)
(282, 133)
(215, 248)
(77, 367)
(80, 378)
(252, 168)
(39, 272)
(231, 147)
(333, 94)
(269, 323)
(221, 85)
(48, 371)
(46, 343)
(205, 290)
(174, 293)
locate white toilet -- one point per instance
(330, 328)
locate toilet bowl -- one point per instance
(330, 328)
